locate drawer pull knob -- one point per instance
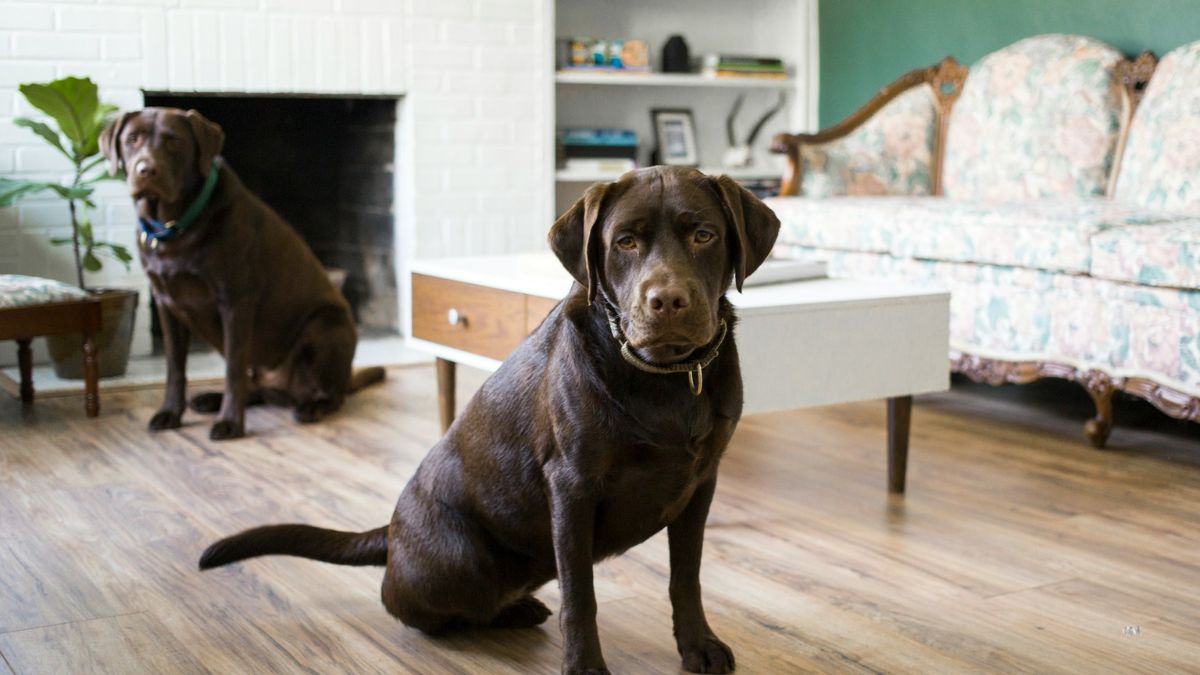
(455, 317)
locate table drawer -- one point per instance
(537, 309)
(490, 322)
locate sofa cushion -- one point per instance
(845, 223)
(890, 154)
(1151, 255)
(1038, 118)
(1021, 314)
(1161, 165)
(1046, 234)
(17, 290)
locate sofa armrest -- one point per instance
(944, 79)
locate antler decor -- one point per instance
(738, 155)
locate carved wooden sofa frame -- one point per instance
(946, 79)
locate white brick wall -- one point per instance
(473, 141)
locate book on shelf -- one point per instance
(598, 143)
(599, 136)
(724, 65)
(599, 165)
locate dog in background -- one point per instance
(223, 265)
(605, 425)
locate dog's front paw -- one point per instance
(710, 655)
(224, 430)
(568, 670)
(166, 419)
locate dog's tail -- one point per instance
(365, 377)
(305, 541)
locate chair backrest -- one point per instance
(1039, 118)
(1161, 165)
(890, 154)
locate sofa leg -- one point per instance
(1097, 429)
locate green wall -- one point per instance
(867, 43)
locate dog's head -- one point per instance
(663, 244)
(163, 151)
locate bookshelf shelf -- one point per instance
(594, 99)
(669, 80)
(569, 176)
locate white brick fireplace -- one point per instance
(474, 130)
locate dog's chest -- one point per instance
(646, 489)
(186, 295)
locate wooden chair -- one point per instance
(31, 307)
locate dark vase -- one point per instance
(676, 57)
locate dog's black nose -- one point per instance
(144, 168)
(667, 300)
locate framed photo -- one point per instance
(675, 136)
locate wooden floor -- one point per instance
(1017, 549)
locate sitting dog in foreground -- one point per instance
(604, 426)
(224, 265)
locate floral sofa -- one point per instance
(1054, 187)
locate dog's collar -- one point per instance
(153, 230)
(694, 368)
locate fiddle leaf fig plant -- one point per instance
(74, 105)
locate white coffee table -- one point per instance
(805, 343)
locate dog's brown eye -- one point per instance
(627, 242)
(703, 236)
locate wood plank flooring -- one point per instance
(1017, 549)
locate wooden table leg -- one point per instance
(25, 365)
(445, 383)
(91, 376)
(899, 414)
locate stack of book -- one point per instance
(598, 150)
(729, 65)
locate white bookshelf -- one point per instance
(589, 177)
(670, 80)
(782, 28)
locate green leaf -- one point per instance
(121, 253)
(91, 263)
(45, 132)
(59, 241)
(115, 251)
(101, 119)
(67, 192)
(85, 231)
(13, 189)
(74, 103)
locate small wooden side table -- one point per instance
(26, 322)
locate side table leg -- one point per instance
(91, 376)
(899, 415)
(25, 364)
(445, 384)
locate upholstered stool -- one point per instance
(31, 307)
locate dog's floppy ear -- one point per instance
(754, 223)
(209, 140)
(110, 143)
(571, 238)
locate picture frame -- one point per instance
(675, 136)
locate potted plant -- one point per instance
(74, 106)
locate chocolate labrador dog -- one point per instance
(224, 265)
(604, 426)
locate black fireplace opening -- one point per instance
(327, 165)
